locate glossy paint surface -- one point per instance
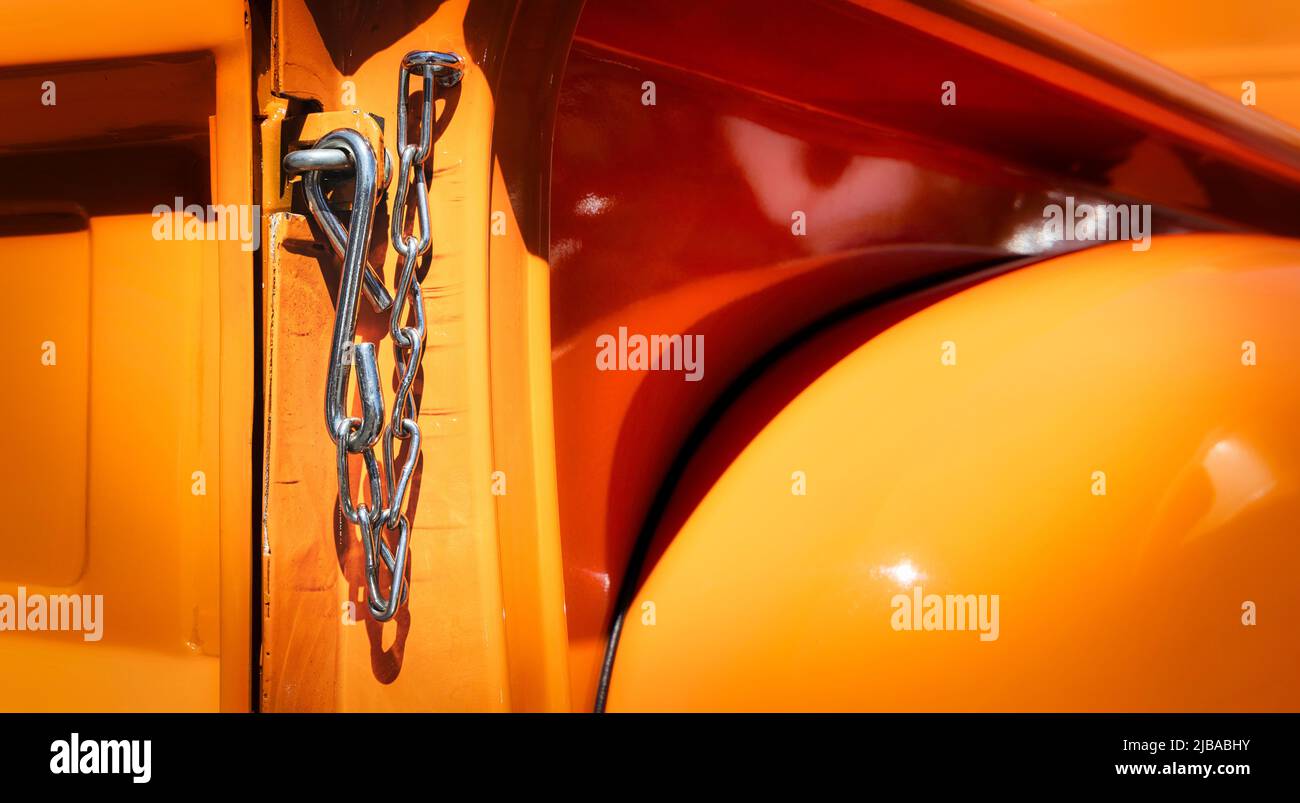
(484, 628)
(1218, 44)
(525, 91)
(979, 477)
(445, 650)
(142, 423)
(679, 217)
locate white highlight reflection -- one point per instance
(903, 573)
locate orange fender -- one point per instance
(1093, 461)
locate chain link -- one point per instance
(388, 489)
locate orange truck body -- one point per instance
(912, 399)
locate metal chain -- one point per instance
(359, 435)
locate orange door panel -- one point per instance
(130, 358)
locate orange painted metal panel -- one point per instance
(678, 216)
(1218, 44)
(447, 649)
(1171, 372)
(48, 422)
(485, 628)
(301, 599)
(668, 217)
(525, 91)
(151, 544)
(169, 550)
